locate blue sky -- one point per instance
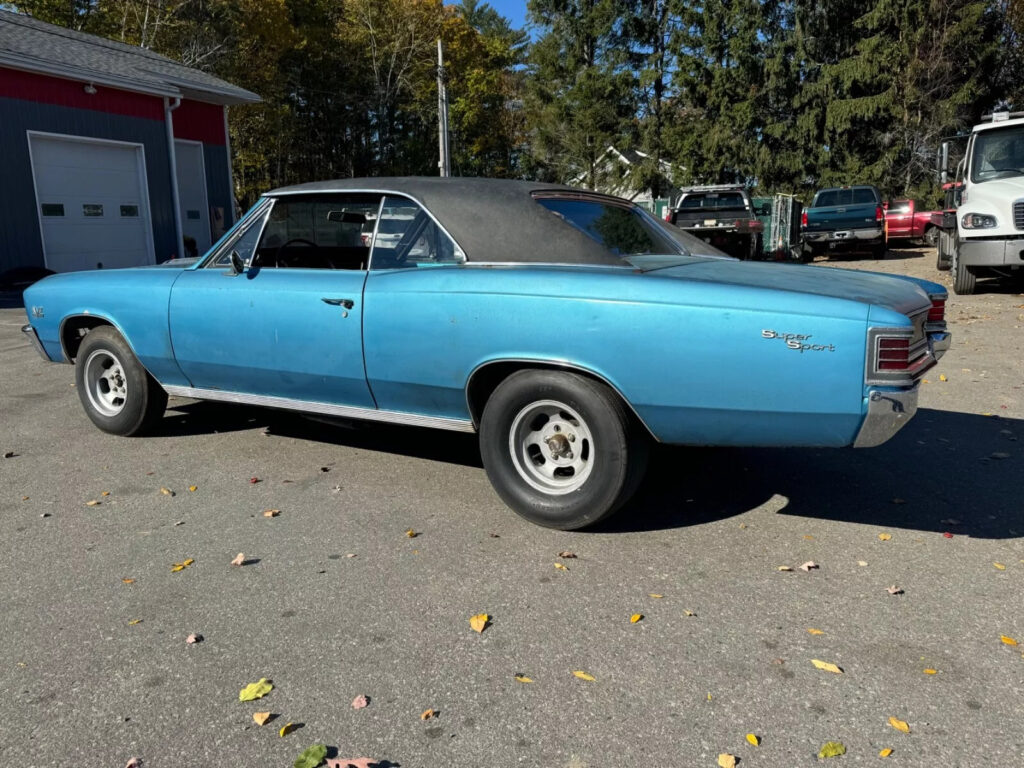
(513, 10)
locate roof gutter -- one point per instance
(173, 160)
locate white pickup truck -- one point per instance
(989, 236)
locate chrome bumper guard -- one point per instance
(939, 342)
(888, 412)
(29, 331)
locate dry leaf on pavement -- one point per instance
(814, 631)
(193, 488)
(584, 676)
(166, 491)
(135, 762)
(359, 702)
(635, 618)
(133, 622)
(754, 739)
(894, 590)
(561, 567)
(194, 638)
(900, 725)
(256, 690)
(725, 760)
(999, 566)
(931, 671)
(1007, 640)
(271, 512)
(261, 717)
(480, 622)
(566, 555)
(785, 568)
(832, 749)
(128, 581)
(885, 752)
(884, 536)
(655, 595)
(427, 714)
(92, 503)
(286, 729)
(827, 666)
(808, 566)
(411, 533)
(522, 679)
(239, 559)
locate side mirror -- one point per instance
(237, 265)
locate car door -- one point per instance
(288, 324)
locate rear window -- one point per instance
(622, 230)
(713, 201)
(899, 206)
(850, 196)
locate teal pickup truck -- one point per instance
(844, 220)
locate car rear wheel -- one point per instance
(118, 394)
(964, 278)
(561, 449)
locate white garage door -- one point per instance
(92, 204)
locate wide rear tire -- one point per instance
(118, 394)
(561, 449)
(964, 279)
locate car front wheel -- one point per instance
(118, 394)
(561, 449)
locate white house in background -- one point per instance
(613, 177)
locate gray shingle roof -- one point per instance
(33, 45)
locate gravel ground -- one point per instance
(336, 600)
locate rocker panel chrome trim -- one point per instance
(326, 409)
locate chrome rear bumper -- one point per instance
(29, 331)
(888, 412)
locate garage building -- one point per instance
(110, 155)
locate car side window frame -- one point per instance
(459, 255)
(257, 216)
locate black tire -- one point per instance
(879, 251)
(612, 448)
(964, 279)
(118, 394)
(931, 236)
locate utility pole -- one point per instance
(444, 164)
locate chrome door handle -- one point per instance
(346, 303)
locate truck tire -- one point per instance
(944, 252)
(931, 236)
(964, 278)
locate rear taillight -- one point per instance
(803, 219)
(937, 313)
(893, 354)
(879, 213)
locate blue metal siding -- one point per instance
(20, 240)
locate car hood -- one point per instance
(901, 294)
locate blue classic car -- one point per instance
(569, 329)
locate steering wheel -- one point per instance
(277, 253)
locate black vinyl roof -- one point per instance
(492, 220)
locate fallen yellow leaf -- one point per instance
(188, 562)
(561, 567)
(814, 631)
(128, 581)
(656, 597)
(635, 618)
(479, 622)
(808, 537)
(260, 717)
(271, 512)
(1007, 640)
(523, 679)
(411, 533)
(239, 559)
(584, 676)
(1000, 566)
(105, 493)
(133, 622)
(256, 690)
(942, 377)
(832, 749)
(725, 760)
(884, 536)
(930, 671)
(286, 729)
(166, 491)
(177, 567)
(785, 568)
(827, 666)
(900, 725)
(754, 739)
(885, 752)
(92, 503)
(427, 714)
(689, 613)
(862, 563)
(193, 488)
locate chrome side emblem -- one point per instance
(37, 311)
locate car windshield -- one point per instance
(713, 201)
(998, 154)
(626, 231)
(846, 196)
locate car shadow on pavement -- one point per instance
(203, 418)
(946, 472)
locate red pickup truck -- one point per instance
(905, 221)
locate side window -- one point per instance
(323, 231)
(406, 236)
(243, 240)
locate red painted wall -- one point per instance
(28, 86)
(199, 121)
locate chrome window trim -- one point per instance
(384, 193)
(561, 364)
(257, 210)
(326, 409)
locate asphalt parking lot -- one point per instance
(336, 601)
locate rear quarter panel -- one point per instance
(694, 360)
(133, 300)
